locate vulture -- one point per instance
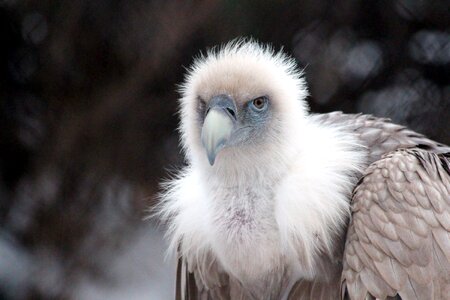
(276, 202)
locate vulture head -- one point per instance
(239, 105)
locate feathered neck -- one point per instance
(303, 187)
(313, 200)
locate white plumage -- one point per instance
(276, 200)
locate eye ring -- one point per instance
(259, 103)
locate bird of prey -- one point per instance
(278, 203)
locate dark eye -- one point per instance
(259, 103)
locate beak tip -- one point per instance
(211, 159)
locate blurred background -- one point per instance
(88, 117)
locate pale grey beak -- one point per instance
(218, 125)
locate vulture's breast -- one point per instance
(245, 234)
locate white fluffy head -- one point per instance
(243, 70)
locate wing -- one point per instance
(191, 285)
(398, 242)
(379, 135)
(317, 290)
(204, 280)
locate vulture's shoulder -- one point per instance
(398, 241)
(379, 135)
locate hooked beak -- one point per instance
(218, 125)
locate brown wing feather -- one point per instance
(317, 290)
(204, 280)
(398, 242)
(186, 287)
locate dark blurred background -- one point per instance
(88, 117)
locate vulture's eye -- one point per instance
(259, 103)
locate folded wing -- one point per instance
(398, 242)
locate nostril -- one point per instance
(232, 113)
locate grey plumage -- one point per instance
(399, 238)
